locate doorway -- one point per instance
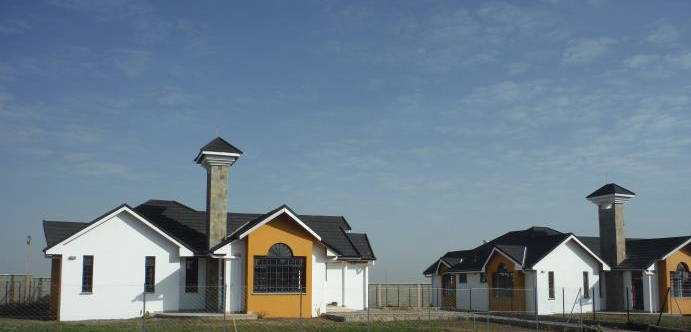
(637, 290)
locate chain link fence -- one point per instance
(172, 308)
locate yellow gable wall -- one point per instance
(517, 302)
(283, 229)
(674, 305)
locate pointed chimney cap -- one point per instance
(610, 194)
(218, 147)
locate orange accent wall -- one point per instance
(674, 305)
(517, 301)
(448, 296)
(283, 229)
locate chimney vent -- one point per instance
(217, 156)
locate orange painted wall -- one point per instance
(674, 305)
(282, 229)
(506, 304)
(448, 296)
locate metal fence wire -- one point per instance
(409, 307)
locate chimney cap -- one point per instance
(218, 147)
(610, 194)
(611, 189)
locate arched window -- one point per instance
(681, 281)
(279, 271)
(280, 250)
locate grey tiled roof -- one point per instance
(220, 145)
(640, 253)
(188, 226)
(609, 189)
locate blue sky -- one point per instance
(430, 125)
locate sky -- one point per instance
(429, 125)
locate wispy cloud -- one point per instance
(584, 51)
(664, 34)
(13, 26)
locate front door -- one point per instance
(637, 290)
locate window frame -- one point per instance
(150, 274)
(191, 275)
(277, 273)
(483, 277)
(550, 285)
(87, 274)
(680, 281)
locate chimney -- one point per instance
(610, 200)
(217, 156)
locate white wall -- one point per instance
(479, 293)
(436, 291)
(318, 280)
(193, 301)
(355, 285)
(568, 261)
(119, 246)
(650, 291)
(235, 272)
(334, 282)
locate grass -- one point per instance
(674, 321)
(263, 325)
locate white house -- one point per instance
(562, 272)
(162, 256)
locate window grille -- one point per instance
(680, 281)
(550, 282)
(462, 278)
(279, 271)
(87, 274)
(150, 274)
(191, 274)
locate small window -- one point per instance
(149, 274)
(191, 274)
(586, 285)
(87, 274)
(550, 281)
(483, 278)
(447, 284)
(462, 278)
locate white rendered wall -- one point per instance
(568, 261)
(355, 285)
(119, 246)
(479, 293)
(318, 280)
(334, 282)
(650, 291)
(192, 300)
(235, 271)
(436, 291)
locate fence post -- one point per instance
(537, 316)
(144, 309)
(594, 307)
(563, 303)
(470, 299)
(378, 295)
(663, 305)
(398, 295)
(419, 296)
(628, 318)
(580, 304)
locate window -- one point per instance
(191, 274)
(483, 278)
(599, 283)
(279, 271)
(550, 282)
(502, 282)
(149, 274)
(447, 284)
(586, 285)
(87, 274)
(681, 281)
(462, 278)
